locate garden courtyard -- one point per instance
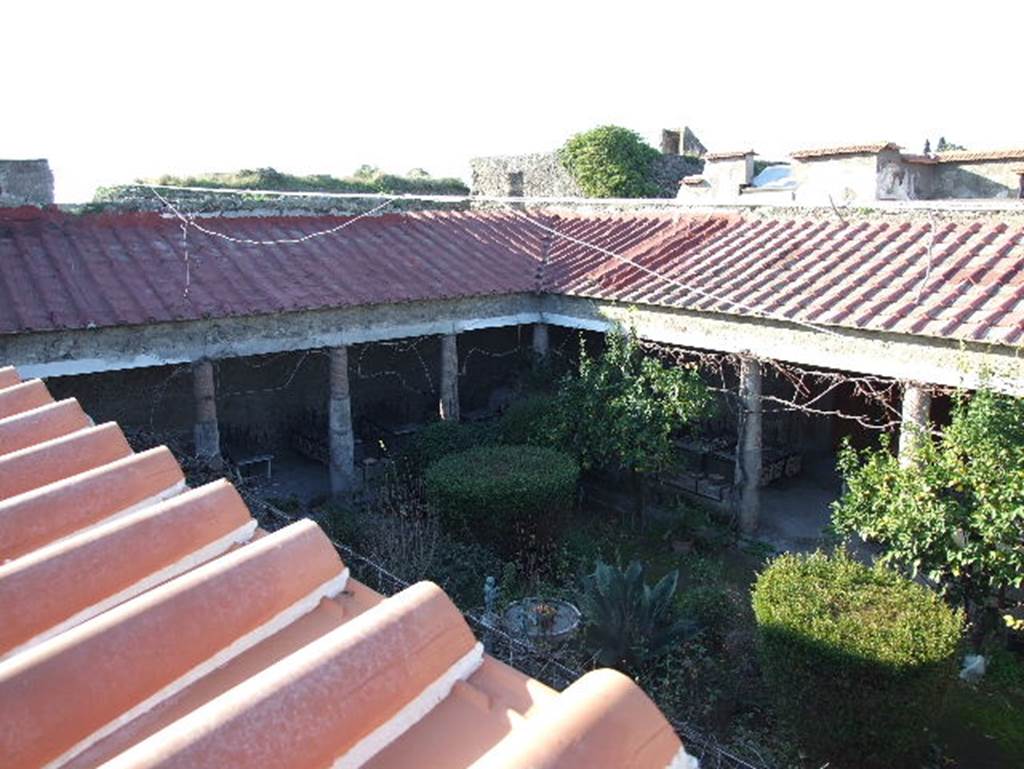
(535, 506)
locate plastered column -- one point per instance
(340, 438)
(917, 406)
(206, 432)
(449, 400)
(541, 343)
(748, 446)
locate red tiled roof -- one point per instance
(150, 625)
(849, 149)
(75, 272)
(729, 155)
(66, 271)
(968, 156)
(861, 274)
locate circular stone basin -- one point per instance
(542, 620)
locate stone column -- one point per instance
(206, 432)
(748, 446)
(340, 437)
(917, 406)
(449, 401)
(540, 341)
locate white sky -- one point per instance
(112, 91)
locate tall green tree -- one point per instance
(621, 408)
(610, 162)
(956, 513)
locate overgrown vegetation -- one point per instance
(365, 179)
(610, 162)
(956, 514)
(857, 658)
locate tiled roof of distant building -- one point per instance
(969, 156)
(849, 149)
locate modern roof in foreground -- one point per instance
(950, 278)
(147, 624)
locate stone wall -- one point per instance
(25, 182)
(542, 175)
(978, 179)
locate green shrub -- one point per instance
(503, 496)
(527, 422)
(439, 439)
(858, 658)
(610, 162)
(628, 621)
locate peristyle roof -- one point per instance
(957, 279)
(147, 624)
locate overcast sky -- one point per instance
(112, 91)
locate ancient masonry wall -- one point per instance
(542, 175)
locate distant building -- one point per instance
(859, 175)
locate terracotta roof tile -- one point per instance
(852, 274)
(60, 458)
(9, 376)
(49, 512)
(849, 149)
(728, 155)
(968, 156)
(22, 397)
(448, 255)
(64, 271)
(42, 423)
(147, 626)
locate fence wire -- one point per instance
(532, 661)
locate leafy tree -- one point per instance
(956, 513)
(945, 146)
(628, 621)
(366, 171)
(610, 162)
(621, 409)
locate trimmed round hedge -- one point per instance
(439, 439)
(858, 658)
(502, 495)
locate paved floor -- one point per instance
(795, 511)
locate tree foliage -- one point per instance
(622, 407)
(610, 162)
(956, 514)
(628, 621)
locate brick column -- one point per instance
(206, 433)
(748, 446)
(917, 406)
(340, 437)
(449, 400)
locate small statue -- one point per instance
(490, 595)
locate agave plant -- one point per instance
(629, 622)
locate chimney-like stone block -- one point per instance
(25, 183)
